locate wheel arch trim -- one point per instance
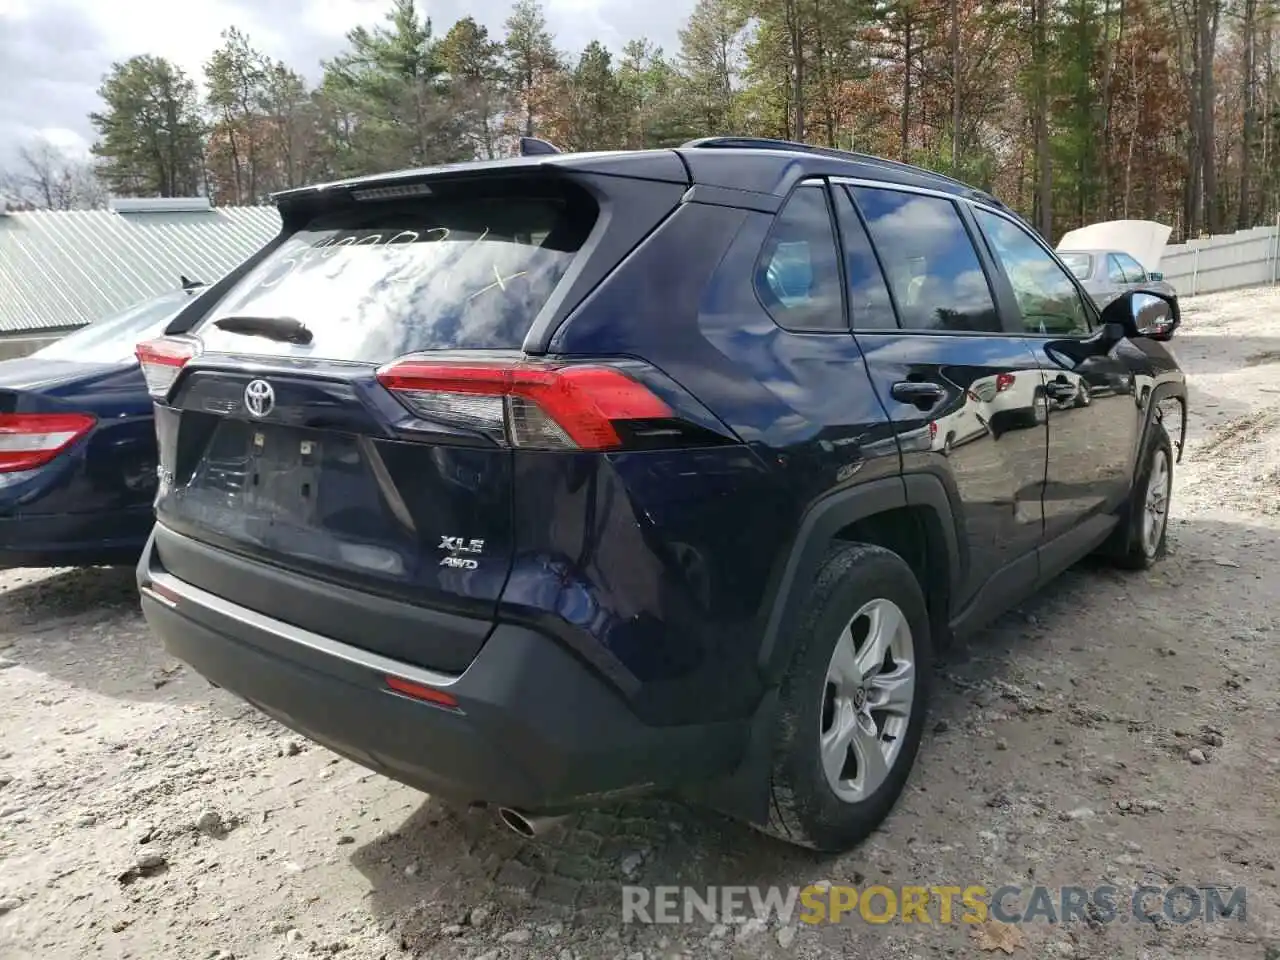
(832, 513)
(1169, 390)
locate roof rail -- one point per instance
(749, 143)
(768, 143)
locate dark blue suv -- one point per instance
(543, 482)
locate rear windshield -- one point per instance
(388, 278)
(1077, 263)
(112, 339)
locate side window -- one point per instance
(1049, 301)
(1133, 270)
(870, 306)
(798, 274)
(929, 260)
(1115, 272)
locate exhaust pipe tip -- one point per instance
(526, 825)
(516, 821)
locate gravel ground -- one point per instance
(1120, 728)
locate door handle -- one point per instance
(920, 393)
(1060, 391)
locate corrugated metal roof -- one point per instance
(69, 268)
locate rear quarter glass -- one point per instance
(382, 279)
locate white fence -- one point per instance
(1248, 258)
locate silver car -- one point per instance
(1106, 274)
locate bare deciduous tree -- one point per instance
(50, 179)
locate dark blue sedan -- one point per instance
(78, 446)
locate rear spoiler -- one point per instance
(536, 157)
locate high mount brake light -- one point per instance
(162, 360)
(526, 404)
(29, 440)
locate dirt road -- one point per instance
(1121, 729)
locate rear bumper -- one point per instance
(536, 729)
(74, 539)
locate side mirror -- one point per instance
(1141, 315)
(1155, 277)
(1153, 316)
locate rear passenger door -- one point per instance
(960, 388)
(1093, 418)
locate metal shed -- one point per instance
(63, 269)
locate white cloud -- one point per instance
(335, 17)
(129, 27)
(54, 53)
(69, 142)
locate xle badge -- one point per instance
(456, 545)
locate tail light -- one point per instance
(1004, 381)
(29, 440)
(162, 360)
(526, 404)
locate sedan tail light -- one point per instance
(162, 360)
(30, 440)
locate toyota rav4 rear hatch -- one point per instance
(336, 431)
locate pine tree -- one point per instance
(471, 63)
(388, 98)
(533, 67)
(149, 132)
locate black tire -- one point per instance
(804, 808)
(1129, 548)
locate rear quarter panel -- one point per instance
(669, 560)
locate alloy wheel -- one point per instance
(867, 700)
(1155, 511)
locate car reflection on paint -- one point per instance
(1012, 401)
(961, 426)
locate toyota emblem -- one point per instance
(259, 398)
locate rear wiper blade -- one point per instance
(284, 329)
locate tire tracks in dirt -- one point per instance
(1238, 465)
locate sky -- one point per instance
(53, 53)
